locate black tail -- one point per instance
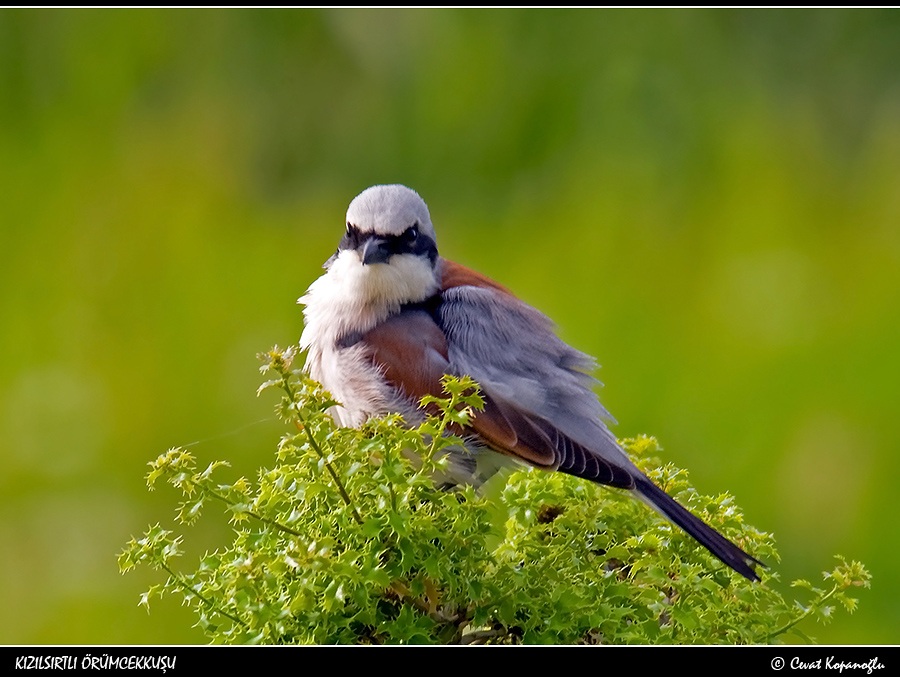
(708, 537)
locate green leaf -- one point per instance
(346, 539)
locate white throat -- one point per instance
(354, 298)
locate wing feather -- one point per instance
(539, 405)
(513, 352)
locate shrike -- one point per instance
(390, 317)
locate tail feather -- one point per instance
(704, 534)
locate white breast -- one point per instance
(351, 378)
(336, 308)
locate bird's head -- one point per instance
(388, 254)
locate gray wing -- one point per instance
(512, 351)
(539, 404)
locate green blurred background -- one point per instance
(707, 200)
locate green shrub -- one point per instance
(346, 540)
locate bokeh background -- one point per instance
(707, 200)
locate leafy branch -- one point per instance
(348, 538)
(845, 576)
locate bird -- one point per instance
(390, 317)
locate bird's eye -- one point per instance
(349, 227)
(412, 233)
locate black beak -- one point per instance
(374, 250)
